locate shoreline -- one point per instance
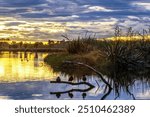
(34, 50)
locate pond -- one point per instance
(24, 75)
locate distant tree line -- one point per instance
(24, 45)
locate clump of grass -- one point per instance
(56, 60)
(123, 53)
(80, 45)
(90, 58)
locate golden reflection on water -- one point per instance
(24, 66)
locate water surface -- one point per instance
(24, 75)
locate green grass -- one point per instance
(56, 60)
(118, 53)
(81, 45)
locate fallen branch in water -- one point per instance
(91, 68)
(73, 90)
(65, 82)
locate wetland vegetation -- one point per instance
(124, 60)
(116, 68)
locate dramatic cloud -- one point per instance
(49, 19)
(142, 5)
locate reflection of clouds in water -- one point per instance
(96, 91)
(37, 95)
(42, 89)
(142, 90)
(12, 69)
(143, 95)
(99, 89)
(99, 86)
(26, 90)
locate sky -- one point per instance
(50, 19)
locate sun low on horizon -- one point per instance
(50, 19)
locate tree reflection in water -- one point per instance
(118, 79)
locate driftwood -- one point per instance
(78, 90)
(80, 83)
(91, 68)
(72, 90)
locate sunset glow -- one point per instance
(49, 19)
(19, 70)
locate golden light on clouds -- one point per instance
(21, 29)
(125, 38)
(15, 29)
(54, 30)
(2, 27)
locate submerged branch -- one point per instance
(65, 82)
(73, 90)
(91, 68)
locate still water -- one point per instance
(24, 75)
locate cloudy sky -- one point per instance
(49, 19)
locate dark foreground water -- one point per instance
(26, 76)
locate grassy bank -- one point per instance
(125, 55)
(119, 54)
(90, 58)
(56, 61)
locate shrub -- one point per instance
(81, 45)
